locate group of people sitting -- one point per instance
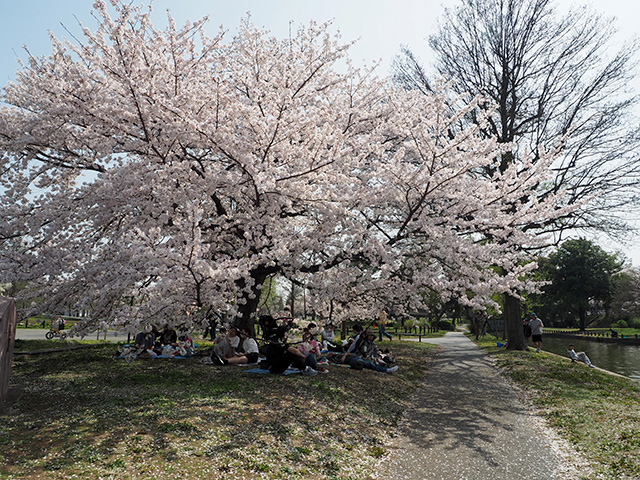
(237, 346)
(167, 343)
(227, 349)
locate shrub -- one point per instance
(446, 325)
(634, 323)
(410, 323)
(619, 324)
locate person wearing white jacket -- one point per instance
(579, 356)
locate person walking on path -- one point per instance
(536, 331)
(579, 356)
(382, 321)
(467, 423)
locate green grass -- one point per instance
(598, 413)
(56, 343)
(84, 414)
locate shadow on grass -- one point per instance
(85, 413)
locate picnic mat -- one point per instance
(178, 357)
(288, 371)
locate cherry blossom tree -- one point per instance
(151, 174)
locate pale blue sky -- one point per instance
(380, 25)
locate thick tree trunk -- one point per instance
(582, 312)
(247, 310)
(513, 323)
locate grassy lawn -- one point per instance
(32, 345)
(84, 414)
(597, 412)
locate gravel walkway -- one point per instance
(468, 423)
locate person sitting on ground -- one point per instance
(314, 330)
(364, 346)
(168, 336)
(328, 339)
(222, 335)
(227, 345)
(145, 339)
(185, 345)
(327, 334)
(358, 363)
(280, 354)
(579, 356)
(353, 340)
(249, 353)
(310, 348)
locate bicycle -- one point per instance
(54, 333)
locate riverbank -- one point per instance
(598, 413)
(615, 357)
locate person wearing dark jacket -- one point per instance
(526, 329)
(280, 355)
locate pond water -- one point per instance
(622, 359)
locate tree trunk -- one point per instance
(582, 312)
(247, 310)
(292, 300)
(513, 324)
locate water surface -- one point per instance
(622, 359)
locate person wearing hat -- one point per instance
(280, 355)
(536, 331)
(145, 339)
(579, 356)
(366, 347)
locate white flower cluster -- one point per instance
(151, 175)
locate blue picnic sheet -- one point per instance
(259, 370)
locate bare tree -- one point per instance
(554, 82)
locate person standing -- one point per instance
(211, 328)
(526, 329)
(536, 331)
